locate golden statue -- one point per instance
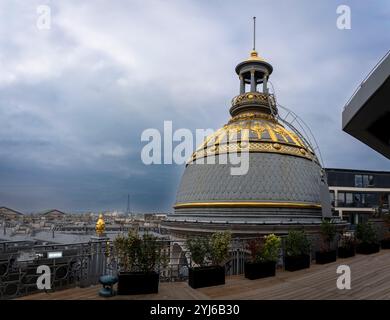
(100, 226)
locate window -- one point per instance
(348, 199)
(365, 181)
(358, 180)
(372, 200)
(356, 199)
(340, 198)
(363, 198)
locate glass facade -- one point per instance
(359, 199)
(358, 191)
(358, 179)
(364, 180)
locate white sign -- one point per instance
(54, 255)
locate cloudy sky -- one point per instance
(75, 98)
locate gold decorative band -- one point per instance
(254, 147)
(256, 204)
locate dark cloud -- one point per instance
(75, 99)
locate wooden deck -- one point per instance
(370, 280)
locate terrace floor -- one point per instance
(370, 279)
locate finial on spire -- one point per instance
(254, 33)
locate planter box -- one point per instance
(137, 283)
(385, 244)
(295, 263)
(200, 277)
(260, 270)
(346, 252)
(326, 257)
(368, 248)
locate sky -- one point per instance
(75, 98)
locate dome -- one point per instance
(283, 171)
(283, 187)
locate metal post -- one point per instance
(253, 81)
(265, 89)
(242, 84)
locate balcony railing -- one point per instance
(81, 264)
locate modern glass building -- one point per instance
(358, 194)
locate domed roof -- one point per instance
(263, 132)
(283, 186)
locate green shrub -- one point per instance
(328, 233)
(214, 249)
(264, 249)
(347, 241)
(127, 250)
(199, 248)
(136, 253)
(366, 233)
(219, 247)
(271, 249)
(297, 243)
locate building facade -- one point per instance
(8, 214)
(357, 195)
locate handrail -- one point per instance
(365, 79)
(306, 135)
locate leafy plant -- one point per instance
(297, 243)
(219, 247)
(271, 249)
(199, 248)
(328, 233)
(264, 249)
(347, 241)
(149, 253)
(255, 247)
(214, 249)
(136, 253)
(126, 250)
(366, 233)
(386, 219)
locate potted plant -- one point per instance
(138, 259)
(385, 243)
(368, 239)
(264, 254)
(347, 246)
(297, 251)
(328, 234)
(208, 254)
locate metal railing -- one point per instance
(365, 79)
(81, 264)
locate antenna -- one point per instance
(254, 33)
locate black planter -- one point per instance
(137, 283)
(294, 263)
(346, 252)
(385, 244)
(259, 270)
(323, 257)
(367, 248)
(200, 277)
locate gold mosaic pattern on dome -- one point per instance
(266, 134)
